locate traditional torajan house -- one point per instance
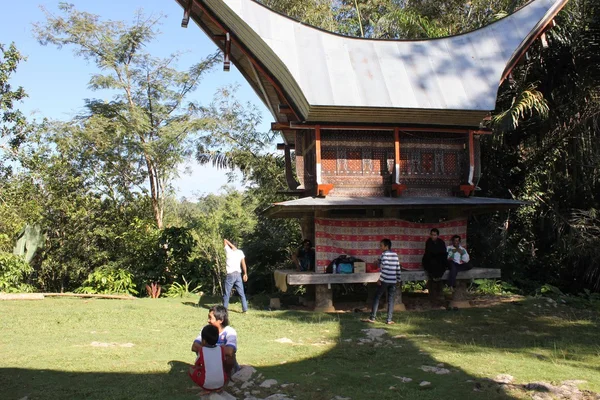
(386, 133)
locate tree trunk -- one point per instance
(154, 192)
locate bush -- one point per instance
(183, 290)
(14, 272)
(108, 280)
(492, 286)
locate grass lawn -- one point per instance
(53, 349)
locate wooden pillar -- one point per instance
(324, 298)
(459, 296)
(470, 186)
(322, 188)
(289, 173)
(397, 188)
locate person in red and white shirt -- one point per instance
(209, 370)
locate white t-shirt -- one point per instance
(455, 255)
(226, 338)
(233, 259)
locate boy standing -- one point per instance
(390, 276)
(218, 317)
(210, 371)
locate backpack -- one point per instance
(343, 264)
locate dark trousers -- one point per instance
(455, 268)
(391, 293)
(234, 280)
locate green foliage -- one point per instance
(14, 273)
(109, 280)
(141, 136)
(492, 287)
(411, 287)
(12, 122)
(177, 289)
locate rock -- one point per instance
(403, 378)
(392, 387)
(247, 384)
(374, 333)
(284, 385)
(277, 396)
(539, 386)
(440, 365)
(504, 379)
(268, 383)
(424, 383)
(255, 392)
(284, 340)
(218, 396)
(436, 370)
(244, 374)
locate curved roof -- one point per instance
(328, 77)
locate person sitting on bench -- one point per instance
(304, 257)
(434, 259)
(458, 260)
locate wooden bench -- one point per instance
(323, 282)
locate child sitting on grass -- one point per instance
(218, 317)
(209, 370)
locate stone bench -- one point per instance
(323, 282)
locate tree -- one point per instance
(149, 115)
(12, 122)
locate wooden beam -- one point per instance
(276, 126)
(242, 48)
(186, 14)
(285, 109)
(322, 189)
(227, 53)
(311, 278)
(281, 146)
(471, 157)
(397, 188)
(298, 126)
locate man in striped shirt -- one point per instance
(390, 276)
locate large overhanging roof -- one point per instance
(308, 205)
(326, 77)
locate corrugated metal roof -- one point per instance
(325, 73)
(309, 204)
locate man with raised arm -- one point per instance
(237, 274)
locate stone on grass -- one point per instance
(403, 379)
(268, 383)
(504, 379)
(247, 384)
(244, 374)
(284, 340)
(277, 396)
(374, 333)
(218, 396)
(424, 383)
(341, 398)
(436, 370)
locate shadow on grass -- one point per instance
(550, 337)
(18, 383)
(371, 370)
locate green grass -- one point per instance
(46, 351)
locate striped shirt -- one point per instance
(390, 267)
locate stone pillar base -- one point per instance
(323, 299)
(460, 304)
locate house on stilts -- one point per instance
(385, 133)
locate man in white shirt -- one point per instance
(236, 264)
(458, 260)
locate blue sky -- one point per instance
(56, 80)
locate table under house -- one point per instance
(381, 137)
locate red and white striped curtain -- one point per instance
(360, 238)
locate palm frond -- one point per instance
(529, 102)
